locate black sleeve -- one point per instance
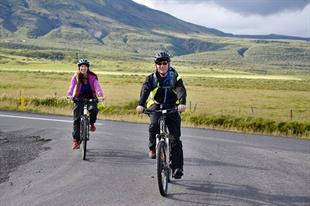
(181, 92)
(145, 91)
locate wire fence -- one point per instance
(281, 114)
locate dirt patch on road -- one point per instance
(17, 149)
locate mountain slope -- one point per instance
(97, 16)
(111, 24)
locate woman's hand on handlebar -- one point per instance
(101, 99)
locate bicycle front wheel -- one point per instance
(84, 136)
(162, 168)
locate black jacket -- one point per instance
(167, 93)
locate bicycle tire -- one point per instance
(162, 168)
(84, 137)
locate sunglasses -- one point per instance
(162, 63)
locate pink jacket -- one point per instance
(76, 86)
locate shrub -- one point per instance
(250, 124)
(50, 101)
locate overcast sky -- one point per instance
(287, 17)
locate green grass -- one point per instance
(209, 99)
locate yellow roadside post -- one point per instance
(22, 103)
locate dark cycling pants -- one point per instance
(173, 122)
(78, 111)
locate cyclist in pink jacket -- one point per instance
(84, 84)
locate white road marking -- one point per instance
(37, 118)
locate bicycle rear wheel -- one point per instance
(162, 168)
(84, 136)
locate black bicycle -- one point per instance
(84, 124)
(163, 151)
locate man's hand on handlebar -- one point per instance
(140, 109)
(181, 108)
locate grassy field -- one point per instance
(264, 88)
(279, 98)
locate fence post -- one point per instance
(252, 109)
(291, 114)
(190, 106)
(195, 107)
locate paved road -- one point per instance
(221, 168)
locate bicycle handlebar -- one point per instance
(84, 100)
(162, 111)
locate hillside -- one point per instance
(107, 23)
(99, 17)
(123, 29)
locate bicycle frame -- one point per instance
(85, 117)
(164, 134)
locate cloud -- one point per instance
(246, 7)
(289, 20)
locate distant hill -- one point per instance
(273, 36)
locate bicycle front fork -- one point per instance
(167, 148)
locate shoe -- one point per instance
(152, 154)
(76, 144)
(177, 173)
(92, 128)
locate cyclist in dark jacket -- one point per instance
(165, 87)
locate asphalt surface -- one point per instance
(221, 168)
